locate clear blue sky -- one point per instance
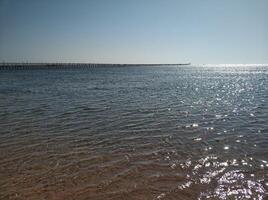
(134, 31)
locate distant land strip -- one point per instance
(5, 66)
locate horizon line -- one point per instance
(106, 63)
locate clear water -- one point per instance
(167, 132)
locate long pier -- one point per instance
(17, 66)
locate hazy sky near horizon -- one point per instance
(134, 31)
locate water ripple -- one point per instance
(195, 132)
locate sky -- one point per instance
(134, 31)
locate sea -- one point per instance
(134, 132)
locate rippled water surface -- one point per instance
(134, 133)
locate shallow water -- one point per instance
(193, 132)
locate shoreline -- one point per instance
(77, 65)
